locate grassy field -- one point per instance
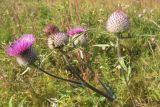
(24, 87)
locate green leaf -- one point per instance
(128, 72)
(121, 61)
(22, 103)
(95, 53)
(10, 102)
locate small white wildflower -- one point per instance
(118, 67)
(101, 10)
(151, 10)
(101, 67)
(140, 15)
(144, 11)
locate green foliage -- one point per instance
(140, 61)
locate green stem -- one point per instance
(118, 47)
(122, 70)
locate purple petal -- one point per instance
(21, 44)
(76, 30)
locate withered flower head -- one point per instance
(50, 29)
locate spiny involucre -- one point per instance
(57, 40)
(117, 22)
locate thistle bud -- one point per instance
(57, 40)
(117, 22)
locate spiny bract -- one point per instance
(117, 22)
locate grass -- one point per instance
(23, 86)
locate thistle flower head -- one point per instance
(77, 30)
(22, 49)
(27, 57)
(50, 29)
(21, 45)
(57, 40)
(117, 22)
(79, 35)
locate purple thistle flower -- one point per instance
(20, 45)
(22, 49)
(79, 35)
(50, 29)
(76, 30)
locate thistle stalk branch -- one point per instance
(85, 83)
(56, 77)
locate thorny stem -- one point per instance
(122, 70)
(91, 71)
(86, 84)
(57, 77)
(90, 68)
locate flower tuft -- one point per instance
(76, 30)
(50, 29)
(21, 45)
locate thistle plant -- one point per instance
(22, 50)
(59, 42)
(79, 37)
(118, 23)
(55, 38)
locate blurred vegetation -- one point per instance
(23, 86)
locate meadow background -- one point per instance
(24, 87)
